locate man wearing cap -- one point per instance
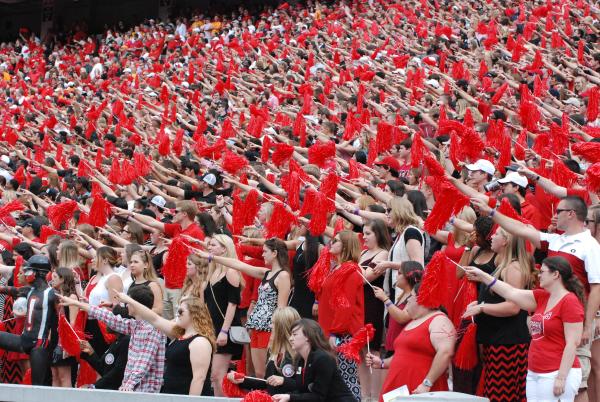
(389, 168)
(480, 173)
(516, 184)
(157, 205)
(40, 333)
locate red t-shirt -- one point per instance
(175, 229)
(547, 331)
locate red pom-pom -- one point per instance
(506, 209)
(47, 231)
(178, 143)
(592, 177)
(417, 150)
(230, 389)
(433, 290)
(67, 337)
(339, 298)
(87, 375)
(281, 221)
(593, 102)
(211, 151)
(433, 166)
(282, 153)
(115, 172)
(319, 271)
(320, 152)
(351, 349)
(384, 136)
(27, 378)
(353, 170)
(99, 212)
(141, 165)
(257, 396)
(264, 151)
(61, 213)
(450, 202)
(466, 357)
(128, 173)
(233, 163)
(589, 150)
(9, 207)
(175, 265)
(83, 169)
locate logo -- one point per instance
(109, 359)
(287, 371)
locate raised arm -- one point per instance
(163, 325)
(522, 298)
(255, 272)
(512, 226)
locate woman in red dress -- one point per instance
(422, 351)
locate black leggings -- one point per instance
(39, 356)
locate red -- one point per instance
(413, 355)
(547, 331)
(338, 321)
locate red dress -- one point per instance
(413, 355)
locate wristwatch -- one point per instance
(427, 383)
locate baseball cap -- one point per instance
(573, 102)
(159, 201)
(390, 162)
(210, 179)
(483, 165)
(514, 177)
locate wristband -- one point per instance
(88, 247)
(382, 364)
(492, 213)
(210, 258)
(537, 178)
(316, 302)
(357, 211)
(452, 220)
(492, 283)
(388, 303)
(224, 331)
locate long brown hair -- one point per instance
(68, 286)
(149, 272)
(192, 286)
(201, 321)
(283, 320)
(314, 333)
(350, 246)
(278, 245)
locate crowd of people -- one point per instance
(222, 204)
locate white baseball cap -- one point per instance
(514, 177)
(159, 201)
(210, 179)
(483, 165)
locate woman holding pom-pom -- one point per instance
(554, 372)
(340, 296)
(422, 351)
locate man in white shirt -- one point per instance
(97, 69)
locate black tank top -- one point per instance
(498, 330)
(178, 369)
(133, 285)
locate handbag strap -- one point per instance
(215, 299)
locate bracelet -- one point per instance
(452, 220)
(537, 178)
(492, 283)
(224, 331)
(210, 258)
(357, 211)
(88, 247)
(388, 303)
(316, 302)
(492, 213)
(382, 364)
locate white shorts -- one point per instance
(540, 386)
